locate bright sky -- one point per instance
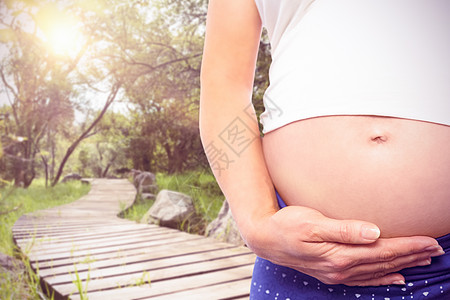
(61, 32)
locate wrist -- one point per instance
(256, 231)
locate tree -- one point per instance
(165, 90)
(141, 51)
(43, 87)
(104, 154)
(38, 89)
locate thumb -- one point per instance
(346, 231)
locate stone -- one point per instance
(170, 209)
(146, 178)
(224, 227)
(150, 188)
(71, 176)
(145, 182)
(10, 263)
(135, 174)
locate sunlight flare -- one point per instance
(61, 32)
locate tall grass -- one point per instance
(137, 210)
(36, 197)
(14, 202)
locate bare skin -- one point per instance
(334, 251)
(392, 172)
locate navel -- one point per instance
(379, 139)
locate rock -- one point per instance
(72, 176)
(10, 263)
(224, 227)
(145, 182)
(135, 174)
(146, 178)
(170, 209)
(151, 188)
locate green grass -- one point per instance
(137, 210)
(14, 202)
(200, 185)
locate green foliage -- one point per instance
(36, 197)
(79, 284)
(39, 86)
(261, 81)
(104, 153)
(24, 283)
(150, 51)
(138, 209)
(204, 190)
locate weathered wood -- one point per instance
(87, 235)
(131, 258)
(133, 274)
(115, 258)
(158, 250)
(215, 285)
(75, 247)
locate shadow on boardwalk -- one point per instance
(83, 250)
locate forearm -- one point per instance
(228, 128)
(230, 136)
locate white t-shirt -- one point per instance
(357, 57)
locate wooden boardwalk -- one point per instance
(85, 245)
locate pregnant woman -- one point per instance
(347, 195)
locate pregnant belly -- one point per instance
(389, 171)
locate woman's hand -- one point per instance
(346, 252)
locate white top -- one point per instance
(357, 57)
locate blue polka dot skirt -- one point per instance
(271, 281)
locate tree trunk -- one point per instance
(45, 163)
(112, 95)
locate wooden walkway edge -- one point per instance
(82, 250)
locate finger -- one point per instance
(384, 250)
(378, 270)
(370, 272)
(389, 279)
(343, 231)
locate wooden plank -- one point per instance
(193, 286)
(49, 219)
(46, 222)
(153, 264)
(61, 230)
(121, 247)
(129, 258)
(155, 251)
(94, 235)
(107, 252)
(30, 236)
(122, 280)
(44, 247)
(90, 231)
